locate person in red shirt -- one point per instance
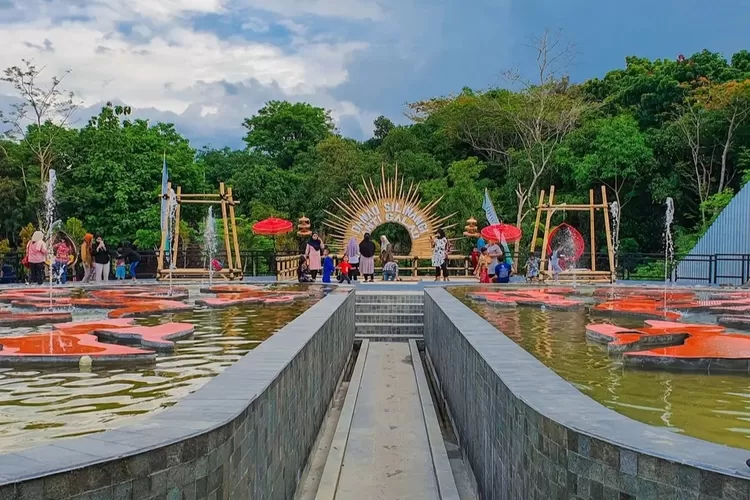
(474, 259)
(344, 269)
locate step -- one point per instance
(382, 329)
(387, 317)
(388, 338)
(389, 308)
(385, 297)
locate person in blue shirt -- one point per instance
(481, 244)
(502, 272)
(328, 267)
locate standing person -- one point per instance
(474, 259)
(36, 255)
(328, 266)
(481, 244)
(367, 258)
(496, 253)
(352, 253)
(132, 258)
(483, 266)
(87, 258)
(101, 260)
(384, 244)
(554, 263)
(440, 255)
(62, 256)
(312, 254)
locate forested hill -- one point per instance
(677, 128)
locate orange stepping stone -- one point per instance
(58, 347)
(682, 346)
(534, 298)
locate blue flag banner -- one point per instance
(164, 181)
(489, 209)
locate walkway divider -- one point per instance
(329, 480)
(440, 462)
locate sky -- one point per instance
(205, 65)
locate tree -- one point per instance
(691, 121)
(41, 115)
(282, 130)
(732, 101)
(382, 127)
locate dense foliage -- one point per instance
(678, 128)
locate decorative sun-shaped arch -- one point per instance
(388, 203)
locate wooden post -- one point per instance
(164, 229)
(550, 211)
(593, 230)
(173, 252)
(610, 250)
(230, 261)
(536, 224)
(237, 261)
(415, 266)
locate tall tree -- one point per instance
(282, 130)
(40, 116)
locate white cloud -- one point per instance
(166, 66)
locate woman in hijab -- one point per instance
(367, 258)
(36, 255)
(352, 251)
(312, 254)
(101, 259)
(87, 258)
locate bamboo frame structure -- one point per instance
(550, 207)
(233, 269)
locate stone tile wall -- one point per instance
(528, 434)
(246, 434)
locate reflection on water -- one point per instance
(711, 407)
(42, 404)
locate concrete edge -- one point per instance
(540, 388)
(440, 463)
(329, 479)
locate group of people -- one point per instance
(357, 259)
(493, 264)
(95, 258)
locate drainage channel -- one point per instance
(383, 438)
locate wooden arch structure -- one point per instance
(233, 266)
(589, 275)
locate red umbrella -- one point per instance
(497, 232)
(273, 227)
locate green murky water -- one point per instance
(711, 407)
(38, 405)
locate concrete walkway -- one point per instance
(387, 444)
(387, 454)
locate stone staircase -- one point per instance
(389, 316)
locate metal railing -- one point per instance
(696, 269)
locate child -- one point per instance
(120, 265)
(532, 268)
(328, 266)
(475, 259)
(502, 272)
(303, 271)
(482, 271)
(60, 266)
(345, 270)
(554, 263)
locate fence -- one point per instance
(688, 269)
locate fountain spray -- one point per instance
(50, 206)
(172, 234)
(209, 243)
(668, 242)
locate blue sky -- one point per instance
(207, 64)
